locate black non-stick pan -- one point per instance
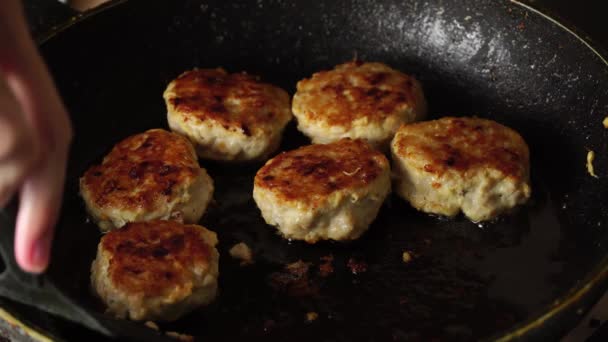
(529, 275)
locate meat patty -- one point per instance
(472, 165)
(156, 270)
(357, 100)
(321, 192)
(152, 175)
(227, 116)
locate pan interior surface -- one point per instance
(475, 58)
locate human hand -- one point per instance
(35, 133)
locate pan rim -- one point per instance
(595, 280)
(577, 33)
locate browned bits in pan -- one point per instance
(294, 280)
(356, 266)
(326, 268)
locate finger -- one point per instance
(40, 201)
(40, 194)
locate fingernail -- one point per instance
(40, 254)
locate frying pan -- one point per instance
(527, 276)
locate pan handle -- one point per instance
(44, 15)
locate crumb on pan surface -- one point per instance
(242, 252)
(406, 257)
(179, 336)
(311, 316)
(590, 168)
